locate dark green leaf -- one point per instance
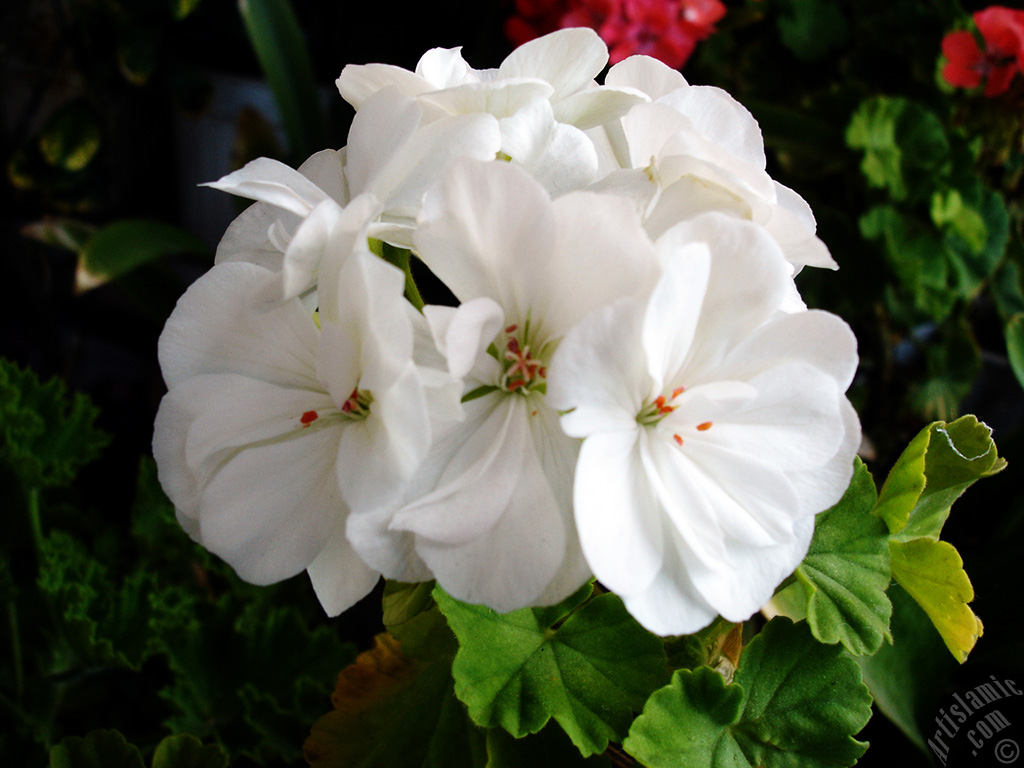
(548, 748)
(71, 139)
(391, 711)
(588, 665)
(908, 677)
(281, 49)
(1015, 345)
(186, 751)
(100, 749)
(45, 435)
(120, 247)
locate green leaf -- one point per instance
(100, 749)
(118, 248)
(45, 435)
(587, 664)
(908, 677)
(224, 688)
(933, 574)
(71, 138)
(794, 703)
(186, 751)
(905, 146)
(949, 210)
(280, 47)
(938, 465)
(1015, 345)
(846, 572)
(391, 711)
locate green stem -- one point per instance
(402, 258)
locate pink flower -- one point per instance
(1002, 30)
(667, 30)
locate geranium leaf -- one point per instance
(908, 677)
(588, 665)
(935, 469)
(99, 749)
(46, 435)
(186, 751)
(794, 703)
(846, 572)
(548, 747)
(391, 711)
(933, 574)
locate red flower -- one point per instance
(967, 65)
(668, 30)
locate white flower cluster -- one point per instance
(630, 386)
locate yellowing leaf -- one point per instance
(933, 574)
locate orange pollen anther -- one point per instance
(704, 427)
(678, 439)
(511, 328)
(309, 417)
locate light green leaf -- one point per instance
(99, 749)
(940, 463)
(933, 574)
(186, 751)
(794, 703)
(846, 572)
(118, 248)
(281, 49)
(587, 664)
(905, 145)
(949, 210)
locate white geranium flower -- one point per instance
(714, 428)
(693, 149)
(494, 521)
(272, 428)
(390, 158)
(543, 95)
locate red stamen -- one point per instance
(677, 392)
(511, 328)
(678, 439)
(704, 427)
(309, 417)
(513, 345)
(514, 385)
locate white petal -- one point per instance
(598, 372)
(500, 99)
(444, 67)
(215, 328)
(170, 432)
(596, 106)
(339, 577)
(646, 74)
(480, 474)
(463, 334)
(569, 59)
(673, 311)
(273, 182)
(792, 225)
(721, 118)
(358, 82)
(487, 230)
(618, 518)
